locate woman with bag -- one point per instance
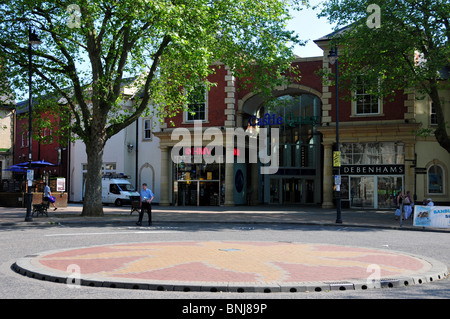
(407, 204)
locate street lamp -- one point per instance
(33, 42)
(333, 59)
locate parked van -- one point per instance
(117, 190)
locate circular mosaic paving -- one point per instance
(231, 266)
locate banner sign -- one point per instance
(432, 216)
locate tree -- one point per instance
(90, 47)
(403, 45)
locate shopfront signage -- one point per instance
(205, 150)
(397, 169)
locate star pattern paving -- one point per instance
(232, 261)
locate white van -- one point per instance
(117, 190)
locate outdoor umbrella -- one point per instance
(16, 169)
(35, 164)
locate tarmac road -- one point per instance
(17, 242)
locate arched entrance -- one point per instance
(299, 177)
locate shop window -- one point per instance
(380, 153)
(197, 104)
(435, 179)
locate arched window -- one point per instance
(435, 179)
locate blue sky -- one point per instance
(309, 27)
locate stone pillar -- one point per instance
(327, 177)
(230, 99)
(165, 182)
(229, 184)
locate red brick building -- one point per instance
(50, 151)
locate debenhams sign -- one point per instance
(373, 169)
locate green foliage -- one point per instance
(91, 47)
(408, 50)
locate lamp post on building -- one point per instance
(333, 59)
(33, 41)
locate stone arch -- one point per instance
(255, 98)
(445, 181)
(251, 102)
(147, 175)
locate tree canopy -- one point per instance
(401, 45)
(89, 47)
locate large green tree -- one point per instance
(382, 42)
(89, 47)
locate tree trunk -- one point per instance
(92, 203)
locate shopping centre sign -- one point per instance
(291, 120)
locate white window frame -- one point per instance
(186, 114)
(443, 180)
(355, 106)
(144, 130)
(432, 122)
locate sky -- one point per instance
(309, 27)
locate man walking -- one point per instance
(48, 196)
(146, 199)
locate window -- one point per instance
(114, 189)
(381, 153)
(365, 103)
(197, 104)
(147, 129)
(433, 119)
(435, 179)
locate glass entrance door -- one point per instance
(388, 187)
(292, 190)
(275, 191)
(362, 191)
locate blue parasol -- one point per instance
(35, 164)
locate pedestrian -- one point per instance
(429, 202)
(48, 196)
(407, 204)
(145, 201)
(399, 205)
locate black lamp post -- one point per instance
(33, 41)
(333, 58)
